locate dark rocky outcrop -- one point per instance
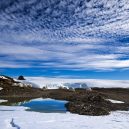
(12, 88)
(21, 78)
(86, 109)
(93, 103)
(6, 81)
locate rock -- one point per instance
(89, 104)
(12, 88)
(6, 81)
(95, 98)
(86, 109)
(21, 78)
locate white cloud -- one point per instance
(13, 64)
(62, 55)
(64, 34)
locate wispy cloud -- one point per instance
(63, 56)
(63, 34)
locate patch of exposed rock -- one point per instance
(12, 88)
(93, 104)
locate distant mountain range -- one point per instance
(77, 83)
(55, 83)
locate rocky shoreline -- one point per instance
(80, 101)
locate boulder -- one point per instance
(21, 78)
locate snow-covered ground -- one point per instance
(17, 116)
(2, 100)
(115, 101)
(3, 77)
(57, 82)
(1, 88)
(27, 83)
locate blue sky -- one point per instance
(84, 74)
(65, 38)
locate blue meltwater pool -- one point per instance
(45, 105)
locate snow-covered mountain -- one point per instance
(27, 83)
(54, 83)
